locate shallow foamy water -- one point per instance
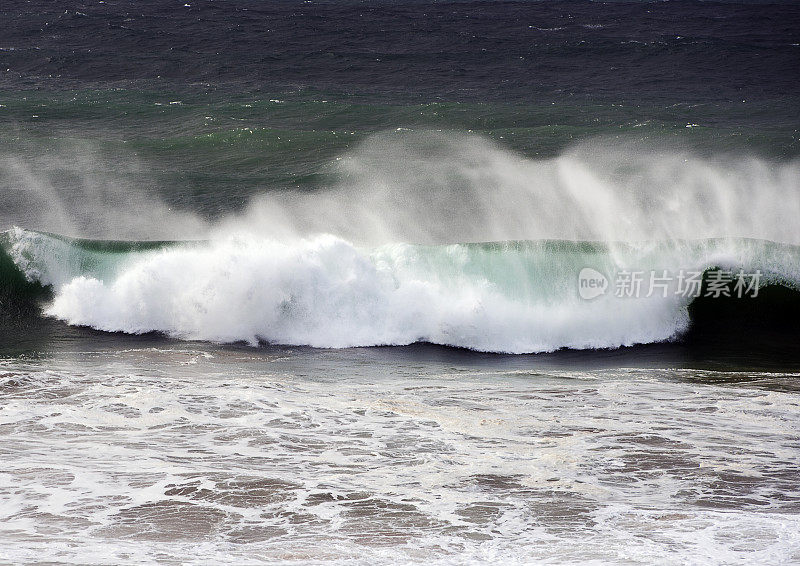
(229, 455)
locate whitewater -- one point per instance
(515, 297)
(452, 240)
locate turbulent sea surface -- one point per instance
(301, 282)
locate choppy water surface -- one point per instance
(177, 455)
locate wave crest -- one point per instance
(515, 296)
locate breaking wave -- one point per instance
(323, 291)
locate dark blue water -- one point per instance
(687, 52)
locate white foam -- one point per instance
(325, 268)
(326, 292)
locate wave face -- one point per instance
(323, 291)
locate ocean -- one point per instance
(342, 282)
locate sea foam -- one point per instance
(324, 291)
(442, 238)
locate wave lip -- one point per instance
(323, 291)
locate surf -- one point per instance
(434, 237)
(324, 291)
